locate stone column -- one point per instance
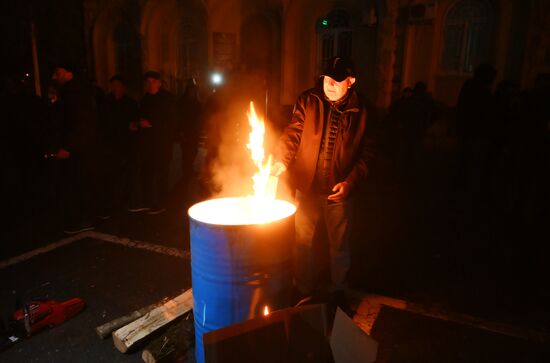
(386, 44)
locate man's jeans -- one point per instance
(313, 210)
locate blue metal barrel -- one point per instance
(237, 270)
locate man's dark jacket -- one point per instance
(116, 116)
(78, 117)
(159, 110)
(298, 148)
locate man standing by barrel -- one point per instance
(327, 150)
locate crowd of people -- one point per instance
(97, 154)
(502, 138)
(503, 143)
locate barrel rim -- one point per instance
(194, 218)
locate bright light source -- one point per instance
(217, 78)
(324, 22)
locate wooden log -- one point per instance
(137, 331)
(105, 330)
(174, 345)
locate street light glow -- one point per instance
(217, 78)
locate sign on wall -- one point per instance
(224, 50)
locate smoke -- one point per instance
(232, 170)
(230, 166)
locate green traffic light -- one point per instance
(324, 22)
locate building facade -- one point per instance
(285, 43)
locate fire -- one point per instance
(262, 206)
(262, 192)
(266, 310)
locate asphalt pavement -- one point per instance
(415, 239)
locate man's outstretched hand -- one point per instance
(341, 192)
(278, 168)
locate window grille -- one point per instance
(467, 36)
(335, 36)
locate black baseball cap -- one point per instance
(152, 74)
(339, 68)
(70, 64)
(118, 78)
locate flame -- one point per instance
(266, 310)
(262, 193)
(259, 208)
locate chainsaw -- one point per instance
(36, 315)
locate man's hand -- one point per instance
(62, 154)
(145, 124)
(341, 192)
(278, 168)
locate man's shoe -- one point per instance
(316, 296)
(78, 229)
(138, 209)
(303, 301)
(155, 211)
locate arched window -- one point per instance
(467, 36)
(334, 36)
(191, 51)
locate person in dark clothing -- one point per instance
(24, 170)
(395, 114)
(119, 112)
(420, 114)
(99, 94)
(396, 136)
(410, 117)
(327, 150)
(210, 139)
(531, 196)
(155, 139)
(189, 126)
(76, 152)
(475, 112)
(423, 110)
(503, 144)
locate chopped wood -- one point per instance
(138, 330)
(105, 330)
(174, 345)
